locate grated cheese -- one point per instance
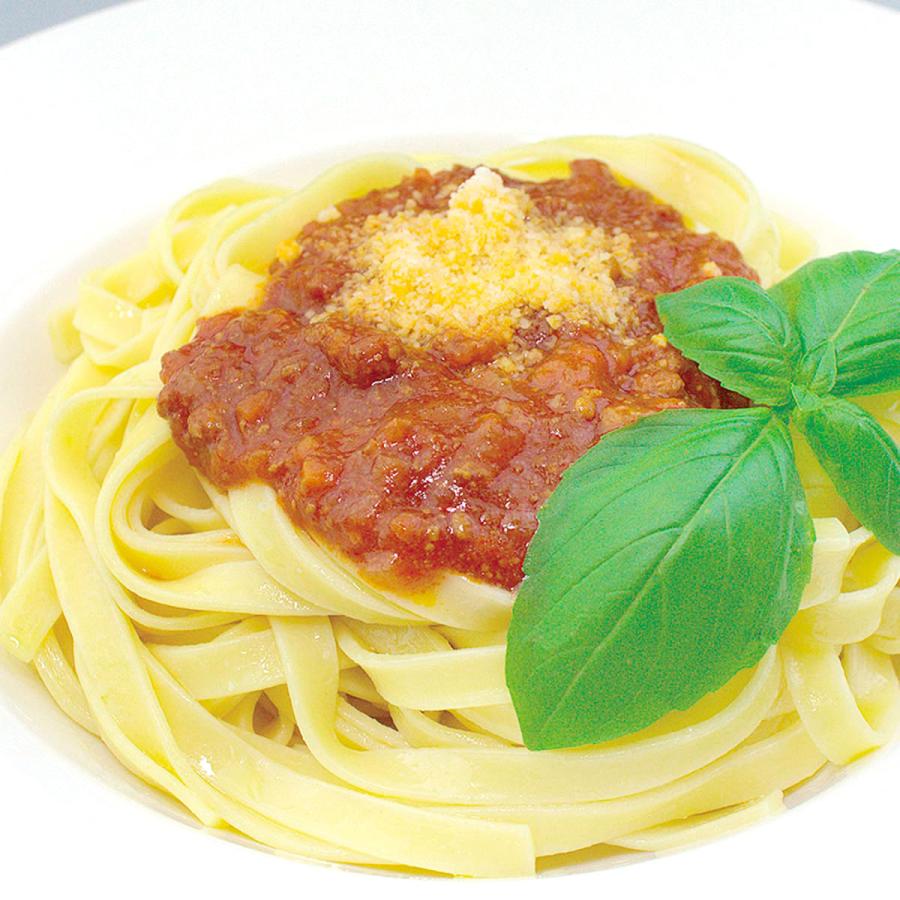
(287, 251)
(483, 267)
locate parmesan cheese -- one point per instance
(483, 267)
(287, 251)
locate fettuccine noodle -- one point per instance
(235, 663)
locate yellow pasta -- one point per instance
(255, 675)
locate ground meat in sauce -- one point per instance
(418, 461)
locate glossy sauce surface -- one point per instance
(418, 460)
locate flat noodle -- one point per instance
(257, 677)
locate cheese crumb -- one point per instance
(329, 214)
(482, 266)
(287, 251)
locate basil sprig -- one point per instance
(675, 552)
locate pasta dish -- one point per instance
(267, 536)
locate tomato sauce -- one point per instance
(414, 461)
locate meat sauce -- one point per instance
(416, 461)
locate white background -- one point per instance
(109, 119)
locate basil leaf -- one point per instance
(847, 310)
(737, 334)
(861, 459)
(670, 557)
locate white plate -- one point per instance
(106, 120)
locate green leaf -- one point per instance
(860, 458)
(847, 311)
(737, 334)
(670, 557)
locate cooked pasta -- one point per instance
(253, 672)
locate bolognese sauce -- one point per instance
(427, 360)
